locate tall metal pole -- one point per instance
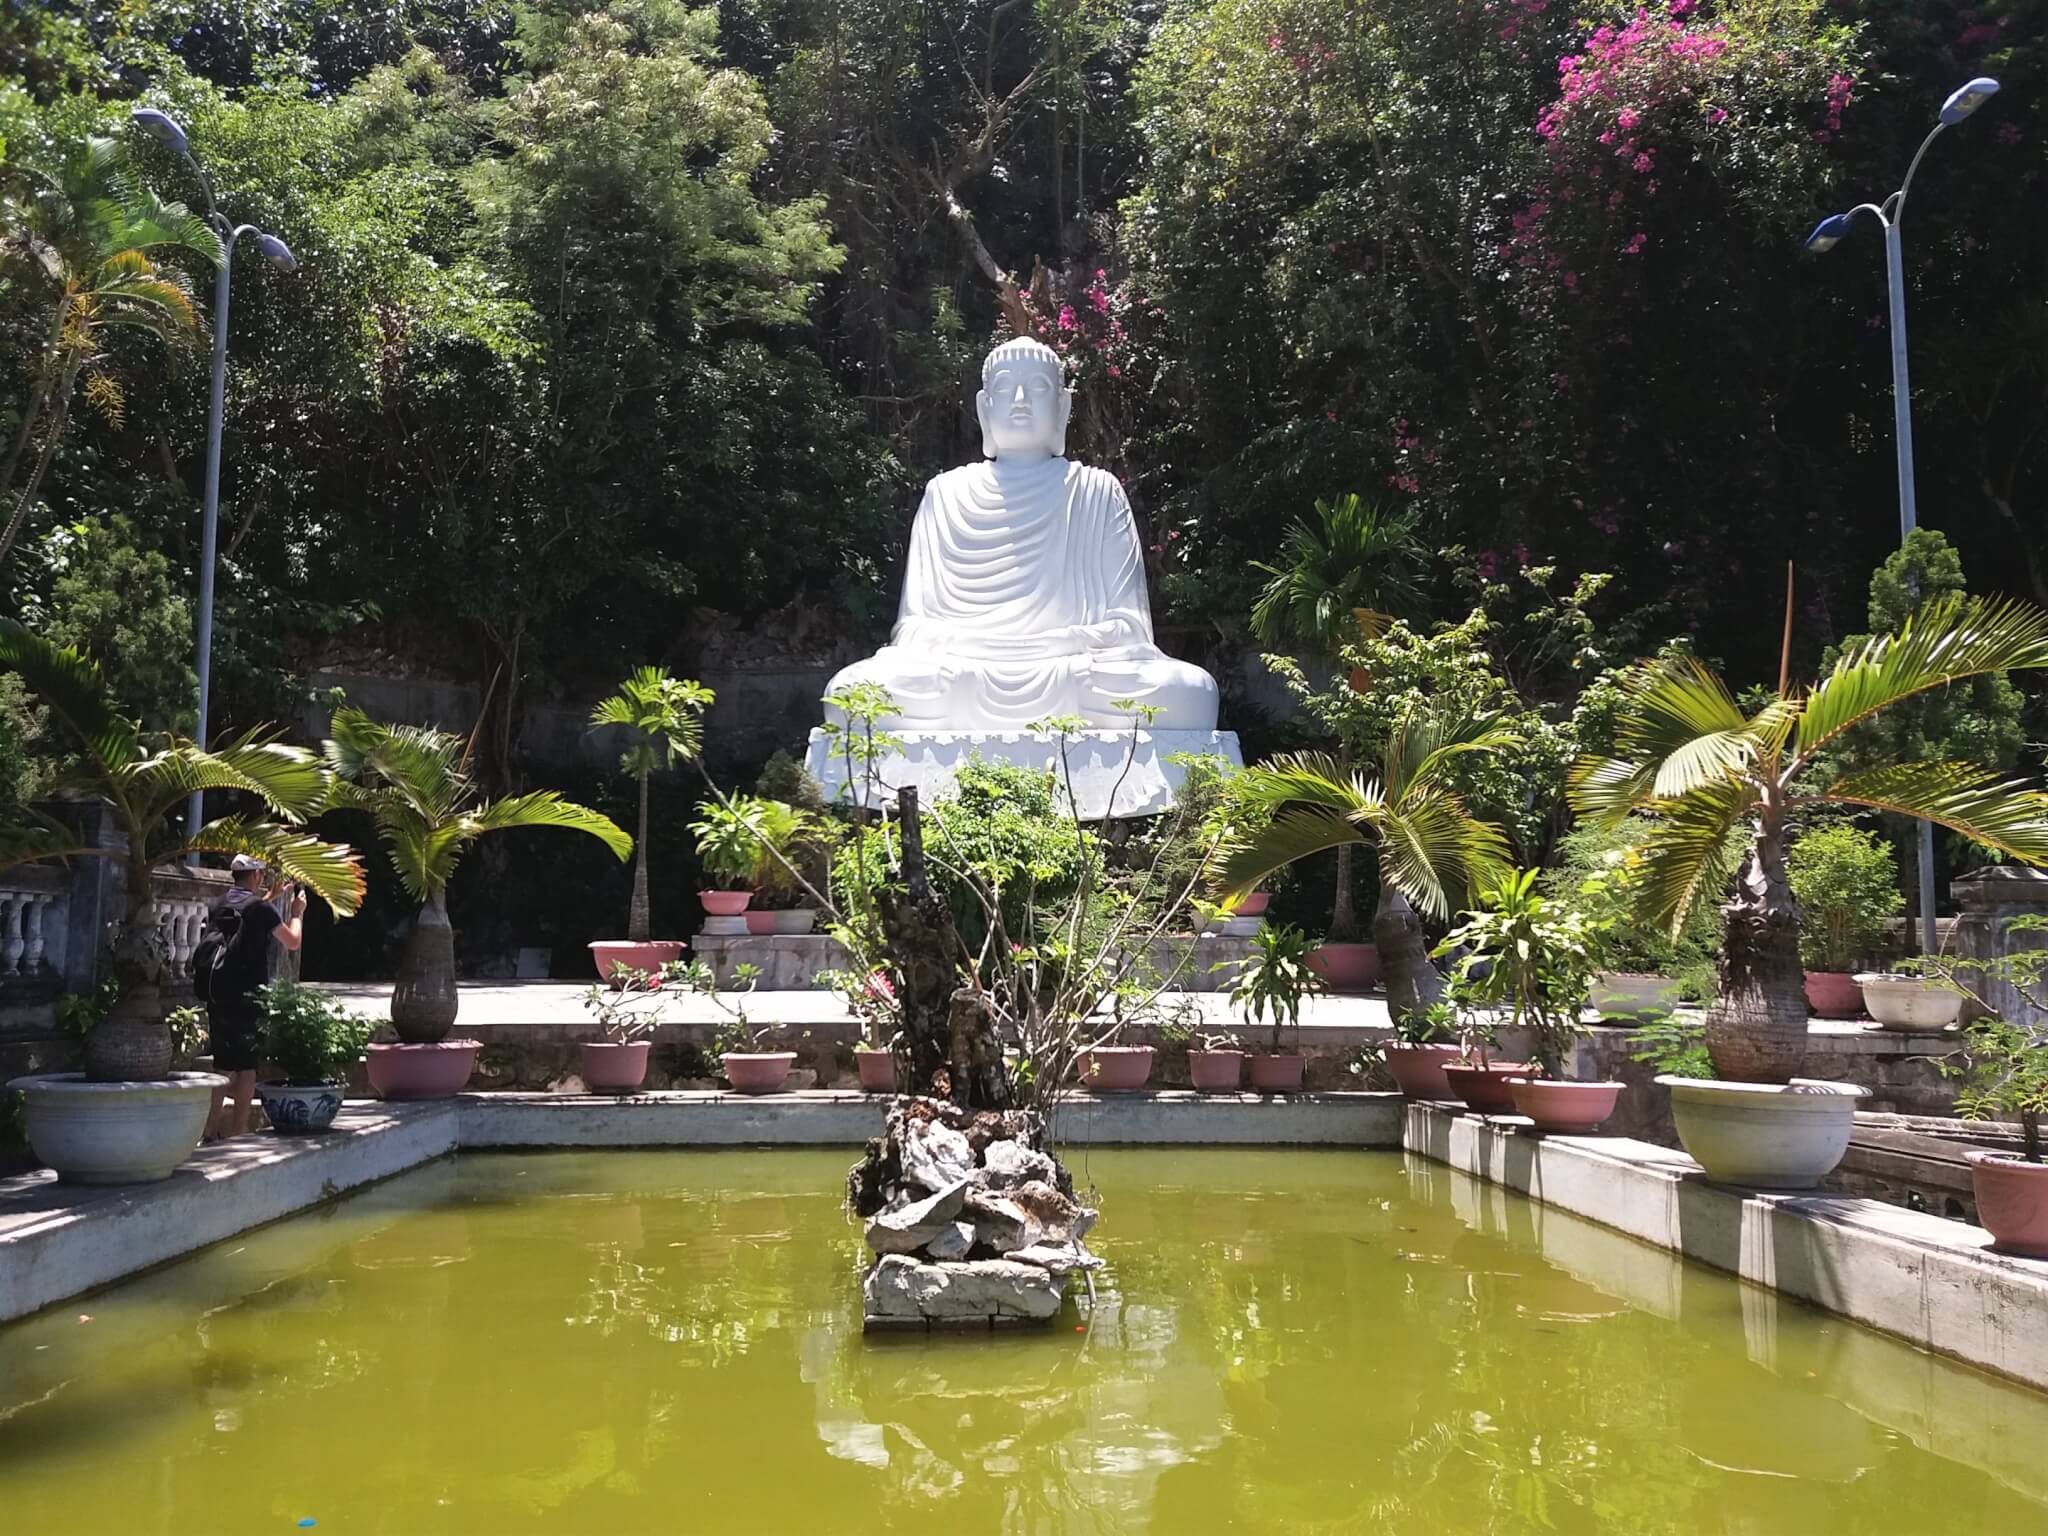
(209, 537)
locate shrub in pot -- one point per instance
(728, 844)
(741, 1047)
(1846, 882)
(1268, 990)
(663, 718)
(794, 867)
(128, 1117)
(1689, 756)
(627, 1010)
(312, 1040)
(1425, 1042)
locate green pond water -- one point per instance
(1283, 1341)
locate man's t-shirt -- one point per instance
(251, 956)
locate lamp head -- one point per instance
(1967, 99)
(279, 253)
(164, 128)
(1827, 234)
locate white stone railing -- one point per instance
(180, 908)
(40, 946)
(33, 903)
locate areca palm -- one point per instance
(90, 231)
(146, 781)
(1344, 576)
(666, 718)
(414, 782)
(1432, 851)
(1687, 754)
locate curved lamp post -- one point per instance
(165, 129)
(1826, 235)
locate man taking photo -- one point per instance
(251, 930)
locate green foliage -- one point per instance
(313, 1038)
(627, 1005)
(1342, 577)
(113, 599)
(1676, 1046)
(1846, 881)
(1274, 978)
(1528, 957)
(79, 1013)
(1599, 873)
(663, 718)
(729, 838)
(2003, 1069)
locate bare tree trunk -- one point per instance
(1756, 1025)
(131, 1044)
(1412, 981)
(921, 943)
(1344, 907)
(37, 397)
(639, 923)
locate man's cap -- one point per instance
(243, 863)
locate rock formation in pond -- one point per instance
(971, 1221)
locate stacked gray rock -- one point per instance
(971, 1222)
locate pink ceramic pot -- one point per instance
(764, 1072)
(1277, 1074)
(437, 1071)
(1254, 905)
(1114, 1068)
(1570, 1108)
(1216, 1071)
(1486, 1088)
(1346, 967)
(877, 1069)
(613, 1066)
(725, 903)
(1418, 1070)
(760, 922)
(1833, 995)
(2012, 1202)
(651, 956)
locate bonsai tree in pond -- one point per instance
(1846, 882)
(413, 781)
(1530, 960)
(146, 783)
(1431, 850)
(1687, 754)
(1340, 578)
(664, 720)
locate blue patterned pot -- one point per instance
(292, 1109)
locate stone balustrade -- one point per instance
(32, 911)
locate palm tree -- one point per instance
(1432, 851)
(1341, 578)
(1688, 755)
(147, 780)
(665, 716)
(90, 231)
(414, 783)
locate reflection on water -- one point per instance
(1283, 1341)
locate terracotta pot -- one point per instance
(760, 922)
(647, 955)
(1909, 1003)
(724, 903)
(437, 1071)
(613, 1066)
(1570, 1108)
(795, 920)
(1418, 1070)
(1254, 905)
(1346, 967)
(764, 1072)
(1833, 995)
(1485, 1088)
(292, 1108)
(1630, 997)
(1216, 1071)
(877, 1069)
(2012, 1201)
(1114, 1068)
(1277, 1073)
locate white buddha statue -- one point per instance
(1024, 598)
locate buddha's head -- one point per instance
(1024, 402)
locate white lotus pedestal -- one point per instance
(1111, 775)
(116, 1133)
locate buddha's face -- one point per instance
(1023, 410)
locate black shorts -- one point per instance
(236, 1035)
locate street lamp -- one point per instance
(1826, 235)
(165, 129)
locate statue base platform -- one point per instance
(1111, 776)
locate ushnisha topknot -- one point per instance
(1020, 347)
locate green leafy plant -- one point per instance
(628, 1005)
(1436, 1024)
(729, 839)
(2004, 1073)
(739, 1035)
(1846, 882)
(1599, 874)
(1675, 1046)
(1274, 978)
(664, 720)
(1528, 958)
(791, 852)
(312, 1038)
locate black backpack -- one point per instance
(216, 958)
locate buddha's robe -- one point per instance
(1025, 598)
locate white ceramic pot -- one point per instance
(1908, 1002)
(115, 1133)
(1632, 996)
(796, 920)
(1765, 1135)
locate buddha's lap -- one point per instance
(942, 693)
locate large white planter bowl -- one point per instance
(1633, 996)
(115, 1133)
(1766, 1135)
(1909, 1002)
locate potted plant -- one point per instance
(790, 853)
(1846, 882)
(1689, 756)
(1268, 988)
(128, 1118)
(728, 849)
(1425, 1042)
(2004, 1073)
(626, 1011)
(313, 1040)
(1474, 1077)
(741, 1047)
(1215, 1062)
(1641, 972)
(413, 782)
(871, 1000)
(1907, 1001)
(802, 876)
(663, 718)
